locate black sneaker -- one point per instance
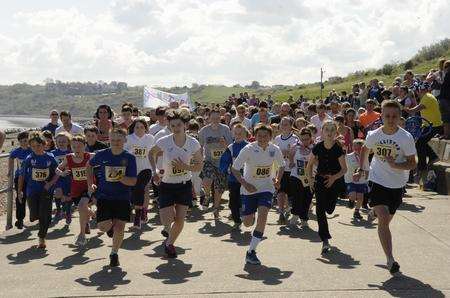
(395, 268)
(357, 215)
(170, 251)
(351, 204)
(110, 233)
(114, 260)
(325, 247)
(19, 224)
(251, 258)
(165, 233)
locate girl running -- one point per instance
(330, 160)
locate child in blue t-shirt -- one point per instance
(62, 187)
(38, 174)
(19, 154)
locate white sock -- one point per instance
(255, 240)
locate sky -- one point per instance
(180, 42)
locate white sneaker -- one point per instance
(81, 241)
(293, 221)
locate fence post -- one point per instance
(10, 197)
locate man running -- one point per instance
(116, 175)
(258, 160)
(394, 156)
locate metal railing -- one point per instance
(9, 190)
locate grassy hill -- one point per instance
(24, 99)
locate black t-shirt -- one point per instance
(328, 158)
(97, 146)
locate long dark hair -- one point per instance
(135, 121)
(107, 108)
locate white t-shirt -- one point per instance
(162, 133)
(140, 148)
(352, 161)
(399, 145)
(301, 157)
(315, 120)
(258, 164)
(155, 128)
(170, 152)
(246, 122)
(75, 130)
(286, 143)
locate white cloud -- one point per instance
(163, 42)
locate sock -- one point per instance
(256, 238)
(113, 251)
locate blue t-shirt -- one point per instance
(226, 160)
(112, 168)
(50, 127)
(63, 182)
(20, 154)
(37, 171)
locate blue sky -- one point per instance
(167, 42)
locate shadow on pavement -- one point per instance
(15, 238)
(301, 233)
(27, 255)
(405, 286)
(94, 242)
(59, 233)
(175, 271)
(219, 229)
(241, 239)
(268, 275)
(160, 253)
(359, 223)
(195, 214)
(106, 279)
(134, 242)
(336, 257)
(411, 207)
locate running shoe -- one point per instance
(58, 215)
(41, 243)
(394, 268)
(325, 247)
(351, 204)
(68, 217)
(294, 220)
(357, 215)
(81, 240)
(19, 224)
(165, 233)
(237, 226)
(114, 260)
(110, 232)
(170, 251)
(251, 258)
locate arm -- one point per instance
(343, 170)
(309, 169)
(129, 181)
(61, 167)
(130, 177)
(197, 162)
(90, 178)
(10, 166)
(225, 161)
(364, 157)
(416, 109)
(154, 152)
(408, 165)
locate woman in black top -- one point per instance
(329, 183)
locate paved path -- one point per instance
(211, 259)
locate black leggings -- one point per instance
(20, 207)
(235, 201)
(41, 208)
(326, 199)
(139, 189)
(301, 198)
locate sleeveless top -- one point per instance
(78, 184)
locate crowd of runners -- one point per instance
(266, 154)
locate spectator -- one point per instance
(240, 117)
(2, 139)
(262, 113)
(405, 100)
(67, 125)
(375, 91)
(53, 124)
(369, 116)
(444, 99)
(320, 118)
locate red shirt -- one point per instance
(78, 184)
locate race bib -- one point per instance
(216, 153)
(262, 172)
(79, 174)
(114, 174)
(383, 150)
(40, 175)
(175, 172)
(140, 152)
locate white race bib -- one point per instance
(79, 174)
(40, 175)
(262, 172)
(114, 174)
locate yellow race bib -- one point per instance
(177, 172)
(216, 153)
(262, 172)
(140, 152)
(383, 150)
(114, 174)
(79, 174)
(40, 175)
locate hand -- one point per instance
(65, 173)
(179, 164)
(249, 187)
(329, 180)
(156, 179)
(276, 183)
(356, 176)
(92, 189)
(391, 161)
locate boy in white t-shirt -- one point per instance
(355, 181)
(394, 156)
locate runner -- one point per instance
(285, 141)
(19, 154)
(92, 143)
(240, 134)
(181, 155)
(161, 120)
(329, 157)
(214, 138)
(62, 187)
(127, 117)
(355, 181)
(38, 175)
(74, 166)
(257, 183)
(299, 184)
(139, 143)
(116, 176)
(394, 156)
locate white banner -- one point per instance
(154, 98)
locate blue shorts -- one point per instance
(64, 184)
(357, 187)
(250, 203)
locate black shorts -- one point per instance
(113, 209)
(390, 197)
(175, 193)
(284, 183)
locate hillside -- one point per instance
(24, 99)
